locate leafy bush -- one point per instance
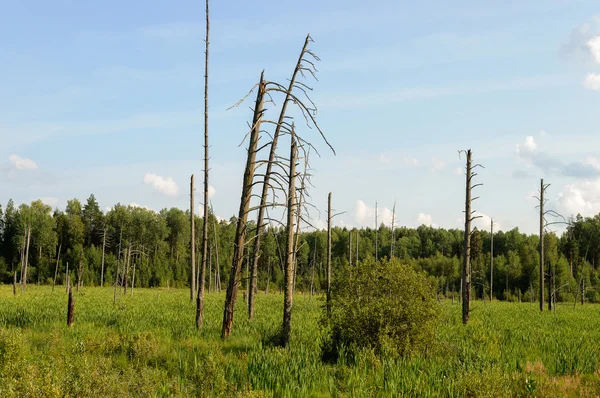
(385, 306)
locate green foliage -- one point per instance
(385, 306)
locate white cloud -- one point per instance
(133, 204)
(50, 201)
(528, 146)
(22, 163)
(365, 215)
(482, 222)
(385, 159)
(459, 171)
(406, 161)
(594, 46)
(165, 185)
(592, 81)
(425, 219)
(543, 133)
(437, 164)
(411, 162)
(579, 198)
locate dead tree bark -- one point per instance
(466, 271)
(492, 261)
(393, 239)
(289, 269)
(542, 227)
(329, 254)
(24, 280)
(102, 265)
(67, 282)
(126, 276)
(376, 233)
(56, 269)
(70, 307)
(200, 298)
(241, 229)
(192, 243)
(268, 173)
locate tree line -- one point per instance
(132, 246)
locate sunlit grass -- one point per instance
(147, 345)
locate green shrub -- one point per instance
(385, 306)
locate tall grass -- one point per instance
(147, 345)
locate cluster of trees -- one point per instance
(136, 246)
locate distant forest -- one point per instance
(152, 249)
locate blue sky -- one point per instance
(107, 97)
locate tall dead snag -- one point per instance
(393, 219)
(376, 231)
(200, 298)
(542, 202)
(241, 229)
(192, 242)
(102, 265)
(329, 254)
(26, 262)
(56, 269)
(469, 217)
(268, 173)
(289, 267)
(492, 260)
(70, 307)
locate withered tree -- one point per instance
(200, 298)
(469, 217)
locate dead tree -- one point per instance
(200, 298)
(329, 254)
(67, 282)
(26, 262)
(469, 217)
(393, 219)
(192, 242)
(376, 231)
(268, 173)
(290, 250)
(102, 265)
(241, 229)
(56, 268)
(492, 260)
(70, 307)
(80, 270)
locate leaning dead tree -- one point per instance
(274, 178)
(469, 217)
(241, 229)
(200, 298)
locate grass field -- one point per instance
(147, 345)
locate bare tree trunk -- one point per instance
(289, 269)
(393, 239)
(267, 176)
(492, 261)
(210, 283)
(56, 269)
(102, 266)
(24, 281)
(80, 270)
(67, 282)
(126, 276)
(542, 189)
(192, 242)
(241, 230)
(70, 307)
(118, 265)
(376, 233)
(138, 257)
(466, 271)
(200, 298)
(329, 254)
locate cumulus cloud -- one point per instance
(425, 219)
(580, 198)
(133, 204)
(411, 162)
(22, 163)
(459, 171)
(164, 185)
(50, 201)
(583, 44)
(365, 215)
(592, 81)
(482, 222)
(529, 152)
